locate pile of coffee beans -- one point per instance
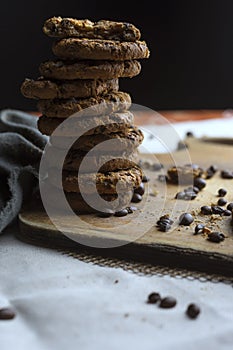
(164, 223)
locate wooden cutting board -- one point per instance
(177, 247)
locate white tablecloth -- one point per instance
(63, 303)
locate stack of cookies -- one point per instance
(90, 59)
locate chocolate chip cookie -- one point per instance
(47, 89)
(59, 27)
(106, 183)
(113, 122)
(92, 69)
(62, 108)
(74, 48)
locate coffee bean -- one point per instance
(199, 183)
(157, 166)
(7, 314)
(222, 192)
(216, 209)
(122, 212)
(216, 237)
(186, 219)
(227, 213)
(230, 206)
(222, 201)
(180, 195)
(189, 134)
(164, 223)
(209, 174)
(206, 210)
(213, 168)
(153, 298)
(140, 189)
(131, 209)
(192, 189)
(145, 178)
(226, 174)
(136, 198)
(186, 195)
(105, 214)
(199, 229)
(162, 178)
(193, 311)
(167, 302)
(164, 227)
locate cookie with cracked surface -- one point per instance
(58, 27)
(106, 124)
(91, 69)
(73, 48)
(93, 163)
(127, 139)
(105, 183)
(47, 89)
(64, 108)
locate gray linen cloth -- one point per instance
(21, 147)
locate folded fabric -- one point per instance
(21, 147)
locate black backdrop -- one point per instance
(191, 45)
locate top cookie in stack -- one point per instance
(90, 59)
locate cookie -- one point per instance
(89, 69)
(127, 139)
(73, 48)
(47, 89)
(112, 102)
(93, 163)
(105, 183)
(58, 27)
(78, 204)
(106, 124)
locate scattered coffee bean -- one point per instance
(193, 311)
(145, 178)
(136, 198)
(186, 219)
(157, 166)
(167, 302)
(162, 178)
(213, 168)
(209, 174)
(216, 237)
(131, 209)
(122, 212)
(216, 209)
(227, 213)
(206, 210)
(180, 195)
(153, 298)
(105, 214)
(140, 189)
(200, 183)
(7, 314)
(189, 134)
(230, 206)
(222, 192)
(164, 223)
(226, 174)
(187, 194)
(199, 229)
(222, 202)
(192, 189)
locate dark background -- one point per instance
(191, 45)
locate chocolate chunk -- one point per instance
(153, 298)
(167, 302)
(222, 192)
(216, 237)
(193, 311)
(186, 219)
